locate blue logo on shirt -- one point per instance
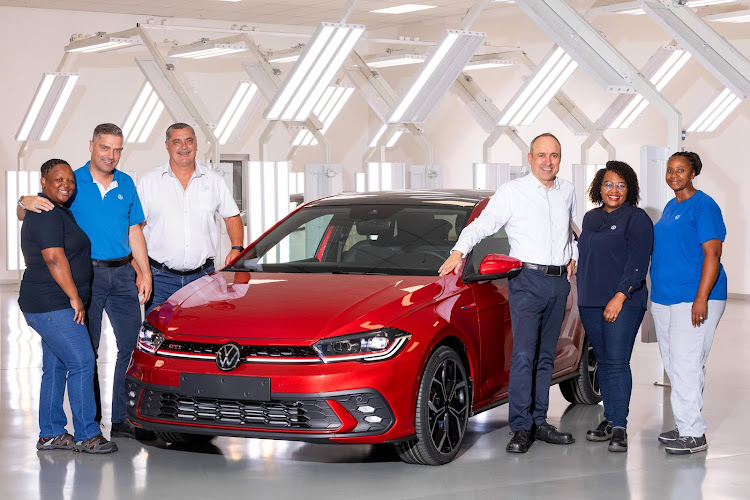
(676, 217)
(613, 228)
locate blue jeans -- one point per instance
(613, 345)
(113, 289)
(166, 283)
(66, 354)
(537, 308)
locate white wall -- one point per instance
(110, 81)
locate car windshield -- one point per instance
(360, 239)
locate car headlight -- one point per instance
(376, 345)
(149, 338)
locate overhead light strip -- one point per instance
(716, 112)
(46, 106)
(101, 43)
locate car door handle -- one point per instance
(469, 306)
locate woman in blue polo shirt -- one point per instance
(614, 250)
(54, 291)
(689, 295)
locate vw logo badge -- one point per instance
(228, 357)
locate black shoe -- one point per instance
(549, 434)
(669, 436)
(686, 445)
(520, 442)
(122, 430)
(601, 433)
(619, 440)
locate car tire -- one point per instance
(584, 388)
(184, 438)
(439, 421)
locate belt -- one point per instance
(547, 270)
(112, 262)
(162, 267)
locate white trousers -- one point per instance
(684, 351)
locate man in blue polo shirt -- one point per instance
(106, 206)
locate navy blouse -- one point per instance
(614, 252)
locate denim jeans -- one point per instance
(113, 290)
(613, 345)
(166, 283)
(66, 354)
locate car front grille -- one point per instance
(246, 351)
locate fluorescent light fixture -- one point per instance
(143, 115)
(395, 137)
(384, 176)
(268, 189)
(488, 63)
(327, 109)
(101, 42)
(738, 16)
(704, 3)
(296, 183)
(360, 182)
(238, 112)
(17, 183)
(321, 59)
(283, 58)
(164, 90)
(205, 48)
(437, 74)
(46, 106)
(716, 112)
(491, 175)
(395, 60)
(534, 95)
(378, 135)
(668, 69)
(403, 9)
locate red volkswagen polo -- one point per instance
(334, 326)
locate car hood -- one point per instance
(289, 306)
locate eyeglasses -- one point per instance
(620, 186)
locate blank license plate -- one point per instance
(225, 387)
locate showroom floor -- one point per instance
(255, 468)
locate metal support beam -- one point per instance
(472, 14)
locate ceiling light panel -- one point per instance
(327, 109)
(205, 49)
(46, 106)
(403, 9)
(102, 43)
(395, 60)
(238, 112)
(716, 112)
(143, 115)
(449, 57)
(321, 59)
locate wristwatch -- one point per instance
(238, 248)
(20, 204)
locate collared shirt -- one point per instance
(106, 220)
(536, 219)
(180, 230)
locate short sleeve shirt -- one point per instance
(678, 256)
(106, 220)
(54, 229)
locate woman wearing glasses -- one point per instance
(689, 295)
(615, 247)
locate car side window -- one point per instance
(497, 243)
(300, 244)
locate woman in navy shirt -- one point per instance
(54, 291)
(615, 247)
(689, 296)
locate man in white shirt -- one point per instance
(536, 211)
(179, 202)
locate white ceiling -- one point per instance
(290, 12)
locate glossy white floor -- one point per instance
(281, 469)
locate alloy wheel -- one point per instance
(448, 406)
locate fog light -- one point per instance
(131, 394)
(366, 409)
(373, 419)
(131, 403)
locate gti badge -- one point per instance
(228, 357)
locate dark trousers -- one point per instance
(166, 283)
(537, 308)
(613, 345)
(113, 289)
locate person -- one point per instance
(106, 206)
(179, 201)
(689, 294)
(614, 252)
(54, 290)
(537, 211)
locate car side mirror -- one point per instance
(493, 267)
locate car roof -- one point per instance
(457, 197)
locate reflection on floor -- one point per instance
(281, 469)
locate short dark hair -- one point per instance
(49, 164)
(179, 126)
(546, 134)
(623, 170)
(106, 129)
(693, 158)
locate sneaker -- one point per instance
(122, 430)
(669, 436)
(685, 445)
(97, 445)
(61, 442)
(601, 433)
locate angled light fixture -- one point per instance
(634, 8)
(437, 74)
(101, 42)
(716, 112)
(143, 115)
(328, 108)
(384, 176)
(268, 188)
(488, 63)
(205, 48)
(673, 60)
(403, 9)
(378, 135)
(321, 59)
(534, 95)
(395, 60)
(46, 106)
(737, 16)
(164, 90)
(286, 58)
(17, 183)
(238, 112)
